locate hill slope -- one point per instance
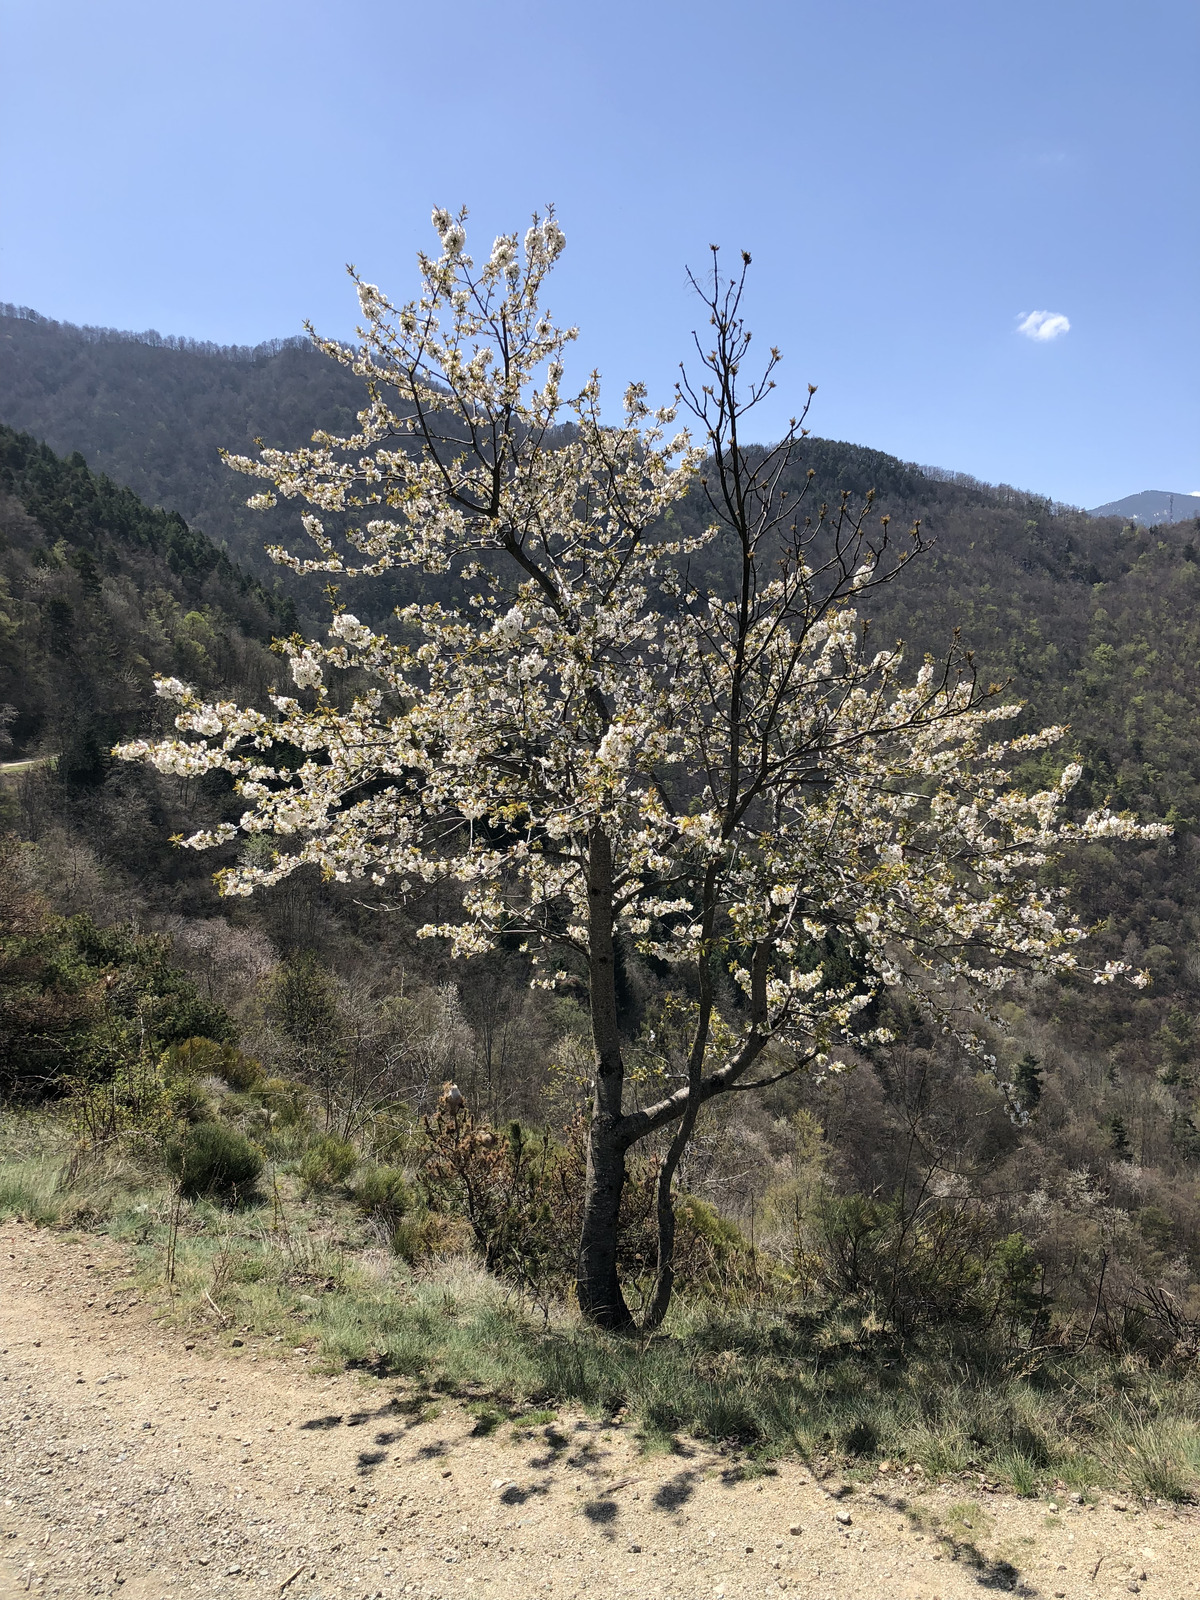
(154, 413)
(98, 592)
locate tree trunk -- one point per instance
(664, 1283)
(597, 1283)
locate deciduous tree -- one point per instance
(596, 745)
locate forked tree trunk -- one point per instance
(597, 1283)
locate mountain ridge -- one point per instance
(1152, 507)
(129, 401)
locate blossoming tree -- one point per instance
(594, 745)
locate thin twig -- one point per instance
(1099, 1298)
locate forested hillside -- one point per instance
(1095, 622)
(153, 414)
(97, 592)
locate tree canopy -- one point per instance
(597, 743)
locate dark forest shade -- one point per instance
(97, 592)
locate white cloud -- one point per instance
(1043, 325)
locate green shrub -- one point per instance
(189, 1103)
(202, 1058)
(409, 1241)
(286, 1100)
(709, 1248)
(515, 1191)
(214, 1160)
(933, 1263)
(81, 1000)
(396, 1135)
(327, 1162)
(240, 1071)
(382, 1192)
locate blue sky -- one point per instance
(913, 178)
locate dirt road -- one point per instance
(138, 1463)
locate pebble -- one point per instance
(844, 1518)
(794, 1527)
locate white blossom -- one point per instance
(509, 627)
(306, 670)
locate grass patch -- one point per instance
(29, 1192)
(487, 1420)
(655, 1440)
(534, 1419)
(1163, 1459)
(32, 1159)
(967, 1516)
(1021, 1472)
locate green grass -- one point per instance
(534, 1419)
(1162, 1458)
(1022, 1472)
(968, 1516)
(28, 1191)
(762, 1381)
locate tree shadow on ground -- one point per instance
(676, 1492)
(514, 1495)
(990, 1572)
(603, 1513)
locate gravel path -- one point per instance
(133, 1462)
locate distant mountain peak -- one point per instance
(1152, 506)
